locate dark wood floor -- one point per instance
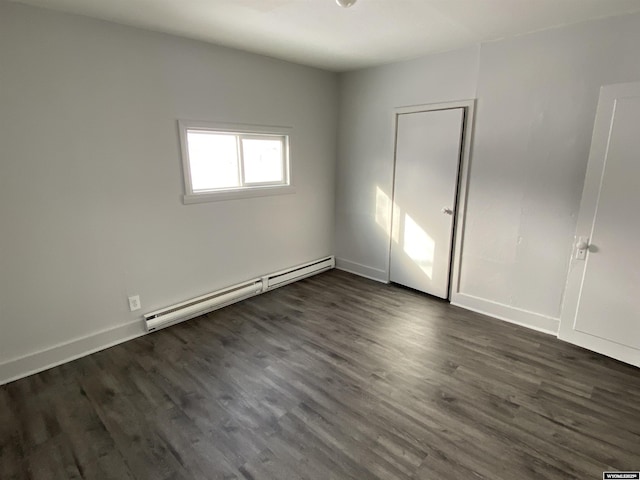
(333, 377)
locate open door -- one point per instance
(427, 164)
(601, 310)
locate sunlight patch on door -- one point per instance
(418, 246)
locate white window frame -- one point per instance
(246, 190)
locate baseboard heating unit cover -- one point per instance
(221, 298)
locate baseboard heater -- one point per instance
(221, 298)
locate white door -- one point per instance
(601, 311)
(424, 196)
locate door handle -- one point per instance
(447, 211)
(582, 244)
(582, 247)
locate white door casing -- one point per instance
(427, 161)
(601, 309)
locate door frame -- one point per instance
(462, 187)
(585, 226)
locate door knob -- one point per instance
(582, 244)
(447, 211)
(582, 247)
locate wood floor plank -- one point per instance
(333, 377)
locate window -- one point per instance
(231, 161)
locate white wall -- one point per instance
(537, 96)
(91, 182)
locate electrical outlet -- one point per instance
(134, 303)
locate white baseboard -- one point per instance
(362, 270)
(525, 318)
(65, 352)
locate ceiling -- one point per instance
(321, 34)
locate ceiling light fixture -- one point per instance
(346, 3)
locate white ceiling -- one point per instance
(321, 34)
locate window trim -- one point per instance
(247, 191)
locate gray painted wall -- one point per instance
(91, 179)
(537, 96)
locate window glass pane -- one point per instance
(213, 159)
(263, 160)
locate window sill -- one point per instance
(236, 194)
